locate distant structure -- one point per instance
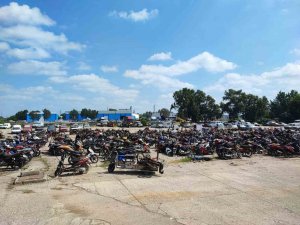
(53, 117)
(110, 114)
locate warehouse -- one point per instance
(53, 117)
(117, 114)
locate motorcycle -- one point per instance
(80, 167)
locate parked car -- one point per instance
(111, 124)
(27, 128)
(86, 126)
(5, 126)
(37, 124)
(249, 125)
(16, 129)
(138, 124)
(63, 128)
(272, 123)
(51, 128)
(232, 126)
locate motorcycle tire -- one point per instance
(247, 154)
(94, 158)
(111, 167)
(70, 161)
(37, 153)
(161, 169)
(58, 172)
(87, 167)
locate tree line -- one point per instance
(198, 106)
(35, 114)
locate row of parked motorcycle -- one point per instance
(118, 148)
(125, 150)
(17, 151)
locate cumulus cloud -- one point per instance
(268, 83)
(33, 67)
(96, 84)
(136, 16)
(36, 37)
(162, 56)
(109, 69)
(28, 53)
(163, 76)
(23, 14)
(24, 33)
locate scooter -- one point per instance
(80, 167)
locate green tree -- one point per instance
(21, 115)
(74, 114)
(84, 113)
(147, 115)
(294, 108)
(195, 105)
(164, 113)
(255, 108)
(89, 113)
(63, 116)
(47, 113)
(233, 103)
(35, 115)
(281, 106)
(185, 104)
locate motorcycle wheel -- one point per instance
(37, 153)
(94, 158)
(111, 168)
(248, 154)
(58, 171)
(161, 168)
(87, 167)
(70, 161)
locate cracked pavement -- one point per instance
(257, 190)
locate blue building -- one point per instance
(115, 115)
(53, 117)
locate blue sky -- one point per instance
(116, 54)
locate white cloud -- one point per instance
(83, 66)
(162, 76)
(295, 51)
(284, 78)
(36, 37)
(98, 85)
(28, 53)
(33, 67)
(4, 46)
(23, 14)
(162, 56)
(136, 16)
(109, 69)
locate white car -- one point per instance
(16, 129)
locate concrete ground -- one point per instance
(257, 190)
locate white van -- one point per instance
(5, 126)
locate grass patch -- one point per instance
(45, 162)
(182, 160)
(27, 191)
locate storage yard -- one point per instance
(256, 190)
